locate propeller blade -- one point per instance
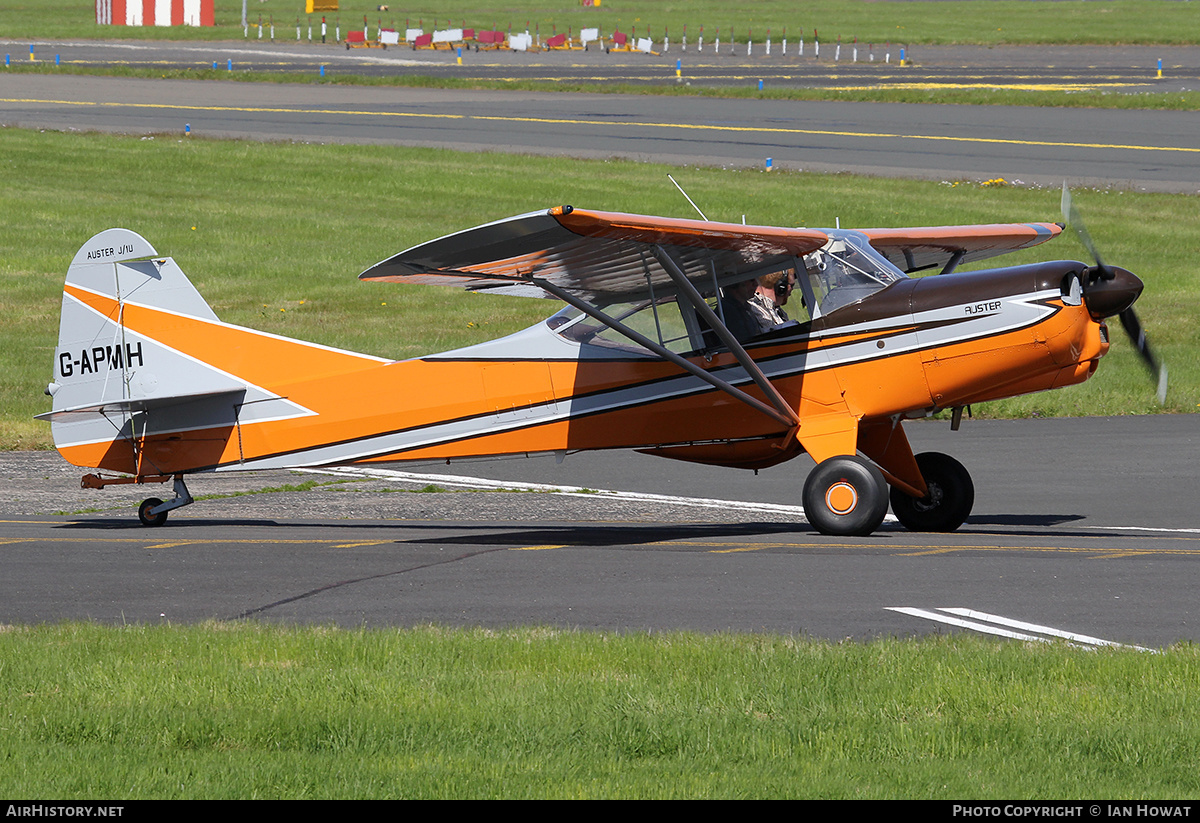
(1137, 334)
(1072, 218)
(1129, 318)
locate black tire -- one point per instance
(845, 496)
(951, 496)
(147, 518)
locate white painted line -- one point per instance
(1032, 627)
(993, 624)
(576, 491)
(573, 491)
(966, 624)
(1146, 529)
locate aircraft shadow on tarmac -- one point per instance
(478, 534)
(610, 534)
(589, 534)
(132, 524)
(1032, 521)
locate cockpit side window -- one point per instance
(659, 321)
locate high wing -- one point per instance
(599, 257)
(594, 259)
(915, 249)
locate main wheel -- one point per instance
(951, 496)
(845, 495)
(151, 519)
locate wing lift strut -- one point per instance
(778, 410)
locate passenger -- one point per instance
(735, 305)
(771, 294)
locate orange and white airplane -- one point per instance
(150, 384)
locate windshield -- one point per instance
(846, 270)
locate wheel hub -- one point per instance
(932, 501)
(841, 497)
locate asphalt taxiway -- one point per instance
(1065, 539)
(1131, 149)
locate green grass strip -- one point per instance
(254, 711)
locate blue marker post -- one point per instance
(1160, 67)
(679, 68)
(229, 64)
(460, 55)
(214, 65)
(902, 58)
(7, 60)
(760, 85)
(322, 70)
(187, 128)
(31, 57)
(58, 62)
(769, 164)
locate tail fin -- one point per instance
(148, 381)
(111, 370)
(101, 363)
(108, 377)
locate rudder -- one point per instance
(109, 377)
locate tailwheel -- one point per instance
(951, 496)
(845, 495)
(182, 498)
(146, 517)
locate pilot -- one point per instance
(735, 305)
(769, 297)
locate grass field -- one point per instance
(273, 236)
(997, 21)
(250, 711)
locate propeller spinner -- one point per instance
(1111, 290)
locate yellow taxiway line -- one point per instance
(556, 121)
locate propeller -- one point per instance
(1112, 290)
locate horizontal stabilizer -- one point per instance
(136, 405)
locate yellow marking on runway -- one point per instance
(150, 544)
(40, 522)
(553, 121)
(1103, 553)
(878, 83)
(998, 86)
(536, 548)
